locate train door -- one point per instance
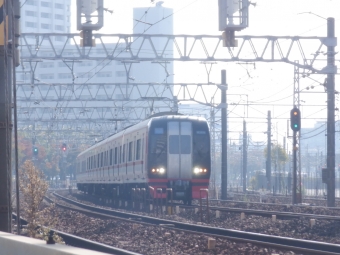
(179, 151)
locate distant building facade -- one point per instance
(56, 78)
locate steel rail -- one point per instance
(286, 243)
(270, 213)
(271, 196)
(79, 242)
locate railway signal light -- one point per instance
(295, 119)
(35, 150)
(63, 147)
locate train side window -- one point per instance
(120, 154)
(142, 148)
(116, 155)
(123, 153)
(98, 160)
(130, 150)
(138, 149)
(111, 155)
(101, 159)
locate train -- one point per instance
(161, 153)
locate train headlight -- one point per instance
(198, 170)
(158, 170)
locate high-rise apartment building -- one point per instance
(62, 89)
(46, 16)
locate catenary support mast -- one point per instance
(331, 68)
(5, 115)
(245, 158)
(224, 169)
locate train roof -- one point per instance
(144, 123)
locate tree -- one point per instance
(278, 154)
(278, 158)
(33, 187)
(50, 159)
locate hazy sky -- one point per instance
(258, 83)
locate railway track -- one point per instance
(271, 197)
(219, 201)
(266, 213)
(284, 243)
(79, 242)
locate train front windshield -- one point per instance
(201, 149)
(157, 150)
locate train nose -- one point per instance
(181, 189)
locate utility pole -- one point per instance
(296, 152)
(295, 193)
(244, 165)
(282, 179)
(213, 150)
(295, 124)
(289, 181)
(6, 50)
(331, 68)
(16, 63)
(224, 176)
(269, 152)
(308, 165)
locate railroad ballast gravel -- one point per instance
(151, 240)
(156, 240)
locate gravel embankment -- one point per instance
(152, 240)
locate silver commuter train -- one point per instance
(170, 151)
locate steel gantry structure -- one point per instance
(136, 48)
(131, 49)
(187, 48)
